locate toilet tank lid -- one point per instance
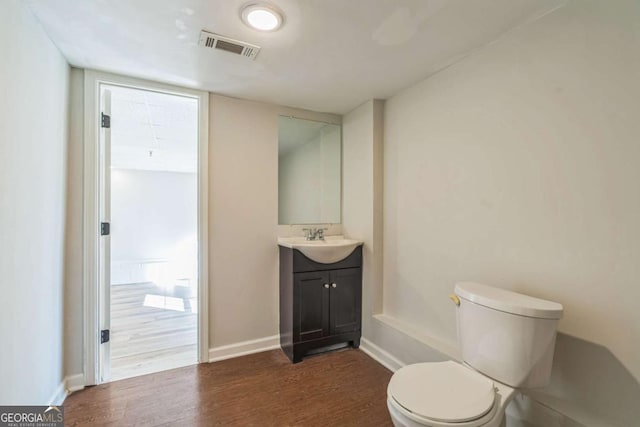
(507, 301)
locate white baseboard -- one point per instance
(381, 356)
(243, 348)
(68, 385)
(59, 395)
(448, 350)
(74, 383)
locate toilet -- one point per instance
(506, 343)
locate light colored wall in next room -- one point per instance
(154, 231)
(34, 83)
(518, 167)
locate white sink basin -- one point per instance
(328, 251)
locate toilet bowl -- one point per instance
(445, 394)
(507, 342)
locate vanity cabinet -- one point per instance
(320, 304)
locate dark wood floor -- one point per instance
(343, 388)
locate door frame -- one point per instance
(91, 212)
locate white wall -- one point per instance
(362, 198)
(309, 180)
(34, 83)
(153, 218)
(518, 167)
(243, 217)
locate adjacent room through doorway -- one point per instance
(150, 174)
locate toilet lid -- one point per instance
(443, 391)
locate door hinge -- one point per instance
(105, 121)
(105, 228)
(104, 336)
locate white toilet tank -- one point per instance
(507, 336)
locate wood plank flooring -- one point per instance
(148, 334)
(342, 388)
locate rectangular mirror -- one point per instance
(309, 171)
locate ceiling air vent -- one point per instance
(215, 41)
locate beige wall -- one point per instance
(73, 301)
(34, 83)
(243, 217)
(518, 167)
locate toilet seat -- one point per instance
(443, 393)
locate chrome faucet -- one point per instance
(320, 233)
(310, 233)
(314, 233)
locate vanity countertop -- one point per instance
(292, 242)
(330, 250)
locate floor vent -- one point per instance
(215, 41)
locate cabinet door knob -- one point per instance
(326, 285)
(333, 285)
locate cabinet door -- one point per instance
(311, 306)
(345, 300)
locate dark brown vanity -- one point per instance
(320, 304)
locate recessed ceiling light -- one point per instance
(262, 17)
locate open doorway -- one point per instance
(149, 252)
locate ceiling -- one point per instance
(330, 55)
(153, 131)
